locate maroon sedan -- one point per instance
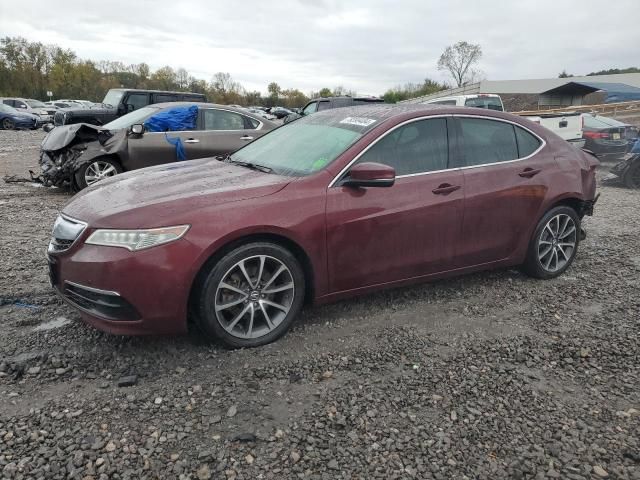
(333, 205)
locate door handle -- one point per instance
(445, 189)
(192, 140)
(246, 137)
(529, 172)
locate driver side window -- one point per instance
(417, 147)
(137, 100)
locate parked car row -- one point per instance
(338, 203)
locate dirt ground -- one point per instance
(493, 375)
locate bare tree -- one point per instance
(459, 59)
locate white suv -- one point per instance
(480, 100)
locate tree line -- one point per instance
(30, 69)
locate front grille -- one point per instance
(65, 231)
(105, 304)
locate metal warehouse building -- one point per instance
(546, 93)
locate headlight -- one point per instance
(137, 239)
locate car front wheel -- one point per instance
(554, 244)
(251, 296)
(7, 124)
(95, 171)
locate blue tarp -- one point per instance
(173, 120)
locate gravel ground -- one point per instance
(493, 375)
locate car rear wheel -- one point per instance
(554, 244)
(96, 170)
(7, 124)
(632, 176)
(251, 296)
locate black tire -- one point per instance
(543, 239)
(7, 124)
(631, 177)
(81, 174)
(263, 320)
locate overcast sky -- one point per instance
(367, 46)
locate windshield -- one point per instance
(7, 108)
(113, 97)
(35, 104)
(491, 103)
(299, 148)
(137, 116)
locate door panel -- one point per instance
(379, 235)
(503, 194)
(152, 148)
(218, 142)
(500, 207)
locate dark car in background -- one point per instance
(81, 154)
(328, 103)
(120, 101)
(339, 203)
(12, 119)
(280, 112)
(606, 137)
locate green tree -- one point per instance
(325, 92)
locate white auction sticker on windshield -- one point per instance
(360, 121)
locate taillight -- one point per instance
(595, 135)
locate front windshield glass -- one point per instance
(137, 116)
(35, 104)
(113, 97)
(300, 148)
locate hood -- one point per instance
(64, 135)
(153, 196)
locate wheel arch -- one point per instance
(275, 238)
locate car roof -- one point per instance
(155, 91)
(383, 112)
(215, 105)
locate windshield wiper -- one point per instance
(252, 166)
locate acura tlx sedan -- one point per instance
(335, 204)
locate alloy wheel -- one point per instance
(98, 170)
(254, 296)
(7, 124)
(557, 242)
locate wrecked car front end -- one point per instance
(66, 148)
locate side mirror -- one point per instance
(47, 127)
(369, 174)
(137, 129)
(23, 106)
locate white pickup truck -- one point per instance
(567, 125)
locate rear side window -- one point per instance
(222, 120)
(417, 147)
(487, 141)
(527, 143)
(252, 122)
(324, 105)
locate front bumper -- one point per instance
(123, 292)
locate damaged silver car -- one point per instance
(79, 155)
